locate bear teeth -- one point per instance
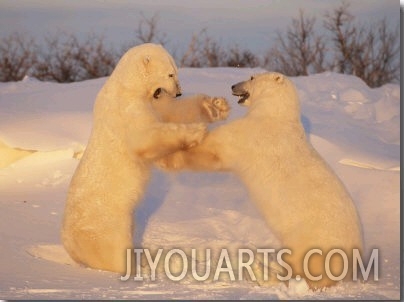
(243, 97)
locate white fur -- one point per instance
(300, 197)
(195, 108)
(127, 136)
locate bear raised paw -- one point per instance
(216, 108)
(209, 109)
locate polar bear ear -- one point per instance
(278, 78)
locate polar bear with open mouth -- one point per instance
(301, 198)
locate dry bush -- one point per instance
(65, 59)
(17, 57)
(203, 51)
(95, 59)
(299, 51)
(237, 58)
(56, 60)
(147, 30)
(369, 52)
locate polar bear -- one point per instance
(300, 197)
(127, 136)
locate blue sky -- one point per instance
(249, 24)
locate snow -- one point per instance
(355, 128)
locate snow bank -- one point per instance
(355, 128)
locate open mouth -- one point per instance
(242, 96)
(161, 91)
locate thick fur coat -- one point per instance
(301, 198)
(128, 134)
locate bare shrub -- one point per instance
(369, 52)
(299, 51)
(95, 59)
(383, 65)
(65, 59)
(344, 36)
(147, 30)
(57, 60)
(237, 58)
(203, 51)
(17, 56)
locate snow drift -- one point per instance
(44, 128)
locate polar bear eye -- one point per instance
(252, 78)
(171, 75)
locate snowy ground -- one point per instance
(355, 128)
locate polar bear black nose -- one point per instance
(178, 94)
(232, 87)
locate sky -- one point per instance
(248, 24)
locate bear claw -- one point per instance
(216, 108)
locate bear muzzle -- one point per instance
(238, 90)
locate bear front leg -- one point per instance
(165, 138)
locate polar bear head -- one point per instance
(271, 92)
(144, 71)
